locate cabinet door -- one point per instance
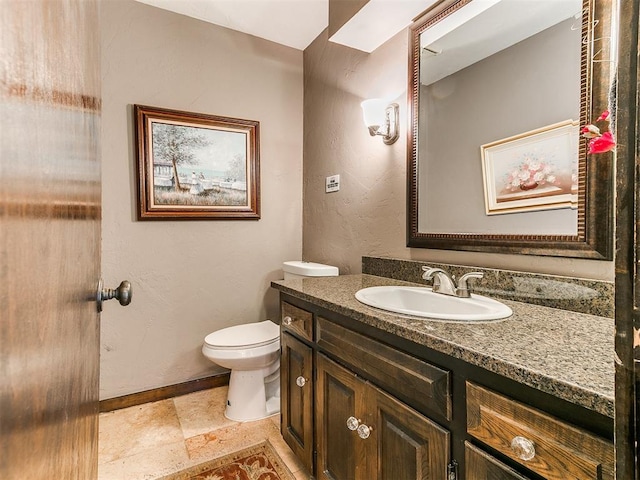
(409, 446)
(481, 466)
(296, 370)
(339, 396)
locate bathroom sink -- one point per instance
(422, 302)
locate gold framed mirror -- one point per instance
(520, 100)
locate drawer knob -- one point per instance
(523, 448)
(364, 431)
(287, 320)
(301, 381)
(353, 423)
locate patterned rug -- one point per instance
(259, 462)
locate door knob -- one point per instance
(123, 293)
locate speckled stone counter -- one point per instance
(563, 353)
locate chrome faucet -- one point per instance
(442, 281)
(446, 284)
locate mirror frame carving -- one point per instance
(594, 239)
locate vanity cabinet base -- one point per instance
(362, 404)
(362, 433)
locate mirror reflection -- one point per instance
(499, 119)
(498, 91)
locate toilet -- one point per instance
(252, 352)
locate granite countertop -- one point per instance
(563, 353)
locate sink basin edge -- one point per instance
(424, 303)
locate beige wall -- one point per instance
(367, 216)
(191, 277)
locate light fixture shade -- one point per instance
(373, 111)
(381, 118)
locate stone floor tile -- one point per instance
(146, 465)
(129, 431)
(202, 412)
(230, 439)
(148, 441)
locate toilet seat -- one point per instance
(248, 335)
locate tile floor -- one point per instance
(151, 440)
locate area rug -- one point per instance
(259, 462)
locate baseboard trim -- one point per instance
(163, 393)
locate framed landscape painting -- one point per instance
(536, 170)
(196, 166)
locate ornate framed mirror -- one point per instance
(498, 91)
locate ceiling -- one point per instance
(485, 27)
(296, 23)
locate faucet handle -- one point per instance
(463, 283)
(430, 272)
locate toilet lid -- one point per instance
(246, 335)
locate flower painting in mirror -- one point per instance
(196, 166)
(537, 170)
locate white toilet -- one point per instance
(252, 352)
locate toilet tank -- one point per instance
(300, 269)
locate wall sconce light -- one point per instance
(381, 118)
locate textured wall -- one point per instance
(191, 277)
(367, 216)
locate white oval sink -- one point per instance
(422, 302)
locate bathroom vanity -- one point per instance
(368, 394)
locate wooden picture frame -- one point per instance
(536, 170)
(193, 166)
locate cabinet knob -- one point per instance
(523, 448)
(361, 429)
(353, 423)
(364, 431)
(287, 320)
(301, 381)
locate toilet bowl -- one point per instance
(252, 352)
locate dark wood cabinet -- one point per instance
(360, 404)
(296, 320)
(408, 445)
(363, 433)
(296, 387)
(480, 465)
(543, 444)
(339, 396)
(389, 368)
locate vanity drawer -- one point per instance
(547, 446)
(296, 320)
(418, 383)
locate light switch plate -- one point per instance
(332, 184)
